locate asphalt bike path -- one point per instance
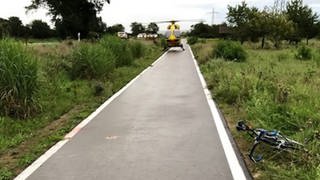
(160, 127)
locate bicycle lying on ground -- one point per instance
(273, 138)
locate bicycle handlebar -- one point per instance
(241, 126)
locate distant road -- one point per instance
(159, 128)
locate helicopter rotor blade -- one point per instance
(160, 22)
(183, 20)
(192, 20)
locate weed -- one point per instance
(137, 49)
(121, 50)
(231, 51)
(98, 89)
(64, 102)
(282, 93)
(19, 80)
(163, 43)
(91, 61)
(304, 53)
(5, 174)
(192, 40)
(26, 159)
(272, 90)
(202, 52)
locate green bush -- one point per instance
(163, 42)
(91, 61)
(120, 48)
(304, 53)
(137, 49)
(231, 51)
(192, 40)
(19, 80)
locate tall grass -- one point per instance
(92, 61)
(120, 48)
(19, 80)
(138, 49)
(192, 40)
(64, 101)
(97, 61)
(271, 90)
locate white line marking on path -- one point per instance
(43, 158)
(36, 164)
(235, 167)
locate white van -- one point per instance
(123, 35)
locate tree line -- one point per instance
(39, 29)
(69, 18)
(292, 21)
(14, 27)
(136, 28)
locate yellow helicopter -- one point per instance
(173, 33)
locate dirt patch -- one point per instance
(11, 158)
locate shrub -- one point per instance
(304, 53)
(120, 49)
(231, 51)
(163, 42)
(19, 80)
(192, 40)
(91, 61)
(137, 49)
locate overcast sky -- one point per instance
(145, 11)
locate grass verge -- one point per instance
(271, 90)
(64, 102)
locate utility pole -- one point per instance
(213, 12)
(212, 21)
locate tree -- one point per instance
(318, 29)
(260, 26)
(304, 20)
(153, 28)
(3, 27)
(239, 17)
(252, 24)
(137, 28)
(115, 28)
(280, 27)
(206, 31)
(40, 29)
(201, 30)
(73, 16)
(15, 27)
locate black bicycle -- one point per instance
(273, 138)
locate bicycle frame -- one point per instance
(272, 138)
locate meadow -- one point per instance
(271, 89)
(47, 88)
